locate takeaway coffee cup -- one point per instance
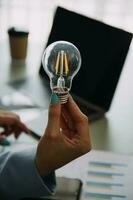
(18, 40)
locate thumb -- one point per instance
(53, 125)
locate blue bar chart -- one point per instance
(109, 177)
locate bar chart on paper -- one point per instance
(109, 177)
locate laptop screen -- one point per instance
(103, 49)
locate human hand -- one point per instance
(11, 123)
(66, 136)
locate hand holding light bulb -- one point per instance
(67, 133)
(66, 137)
(61, 61)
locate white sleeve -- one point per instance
(19, 177)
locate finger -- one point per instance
(67, 118)
(17, 132)
(74, 111)
(8, 121)
(65, 113)
(14, 120)
(7, 131)
(53, 125)
(23, 127)
(16, 125)
(67, 134)
(81, 120)
(63, 122)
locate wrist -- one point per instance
(41, 167)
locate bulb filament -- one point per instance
(61, 66)
(57, 63)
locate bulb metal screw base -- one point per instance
(63, 97)
(62, 94)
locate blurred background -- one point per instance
(37, 16)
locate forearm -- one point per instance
(19, 177)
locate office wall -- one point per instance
(37, 15)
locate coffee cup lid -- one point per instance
(16, 31)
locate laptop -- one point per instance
(103, 50)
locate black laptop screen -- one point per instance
(103, 49)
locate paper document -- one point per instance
(109, 176)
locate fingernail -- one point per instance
(54, 99)
(4, 142)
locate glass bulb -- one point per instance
(61, 61)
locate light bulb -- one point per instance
(61, 61)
